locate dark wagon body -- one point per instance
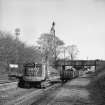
(68, 74)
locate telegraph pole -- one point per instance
(52, 31)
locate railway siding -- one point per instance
(28, 99)
(13, 94)
(6, 86)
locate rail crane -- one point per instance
(40, 74)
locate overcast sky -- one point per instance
(79, 22)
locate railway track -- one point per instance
(9, 96)
(8, 85)
(13, 94)
(31, 97)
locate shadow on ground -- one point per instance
(82, 91)
(97, 90)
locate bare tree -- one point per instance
(72, 51)
(46, 44)
(8, 49)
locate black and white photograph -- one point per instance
(52, 52)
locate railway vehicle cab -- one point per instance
(40, 75)
(34, 72)
(33, 75)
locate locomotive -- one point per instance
(40, 75)
(68, 73)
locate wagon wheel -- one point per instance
(26, 84)
(42, 84)
(21, 84)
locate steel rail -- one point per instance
(31, 97)
(7, 86)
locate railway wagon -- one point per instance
(68, 74)
(40, 75)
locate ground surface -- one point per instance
(79, 91)
(12, 94)
(74, 93)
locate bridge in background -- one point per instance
(78, 63)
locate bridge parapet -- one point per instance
(76, 63)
